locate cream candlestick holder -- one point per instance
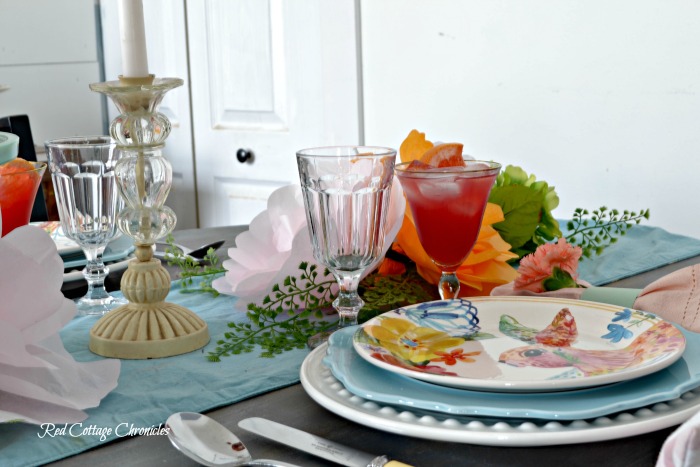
(148, 326)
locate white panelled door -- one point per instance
(269, 77)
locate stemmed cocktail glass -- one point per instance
(87, 198)
(346, 193)
(447, 205)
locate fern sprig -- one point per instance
(602, 227)
(382, 293)
(288, 316)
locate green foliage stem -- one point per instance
(286, 318)
(296, 310)
(191, 269)
(595, 231)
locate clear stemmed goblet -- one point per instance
(447, 205)
(346, 194)
(87, 198)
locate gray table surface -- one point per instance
(292, 406)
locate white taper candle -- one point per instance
(132, 35)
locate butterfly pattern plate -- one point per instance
(519, 344)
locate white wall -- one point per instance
(599, 98)
(48, 58)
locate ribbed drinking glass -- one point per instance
(87, 198)
(346, 194)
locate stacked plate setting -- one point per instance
(116, 255)
(510, 371)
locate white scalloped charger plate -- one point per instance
(321, 386)
(511, 344)
(376, 384)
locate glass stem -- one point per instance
(95, 273)
(348, 303)
(448, 286)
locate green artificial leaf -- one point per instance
(526, 249)
(551, 199)
(521, 208)
(513, 175)
(559, 279)
(548, 228)
(532, 223)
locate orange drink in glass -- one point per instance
(19, 183)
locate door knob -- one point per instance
(244, 155)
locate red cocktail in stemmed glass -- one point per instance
(19, 183)
(448, 204)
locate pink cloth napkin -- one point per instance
(509, 289)
(675, 297)
(682, 448)
(678, 295)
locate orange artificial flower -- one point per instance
(390, 267)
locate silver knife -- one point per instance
(315, 445)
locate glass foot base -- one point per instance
(98, 307)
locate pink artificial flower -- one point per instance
(536, 267)
(40, 381)
(278, 240)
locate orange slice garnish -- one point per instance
(16, 165)
(414, 146)
(444, 155)
(418, 165)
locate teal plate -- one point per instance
(376, 384)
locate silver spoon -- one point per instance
(208, 442)
(197, 253)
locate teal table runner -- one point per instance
(642, 249)
(150, 390)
